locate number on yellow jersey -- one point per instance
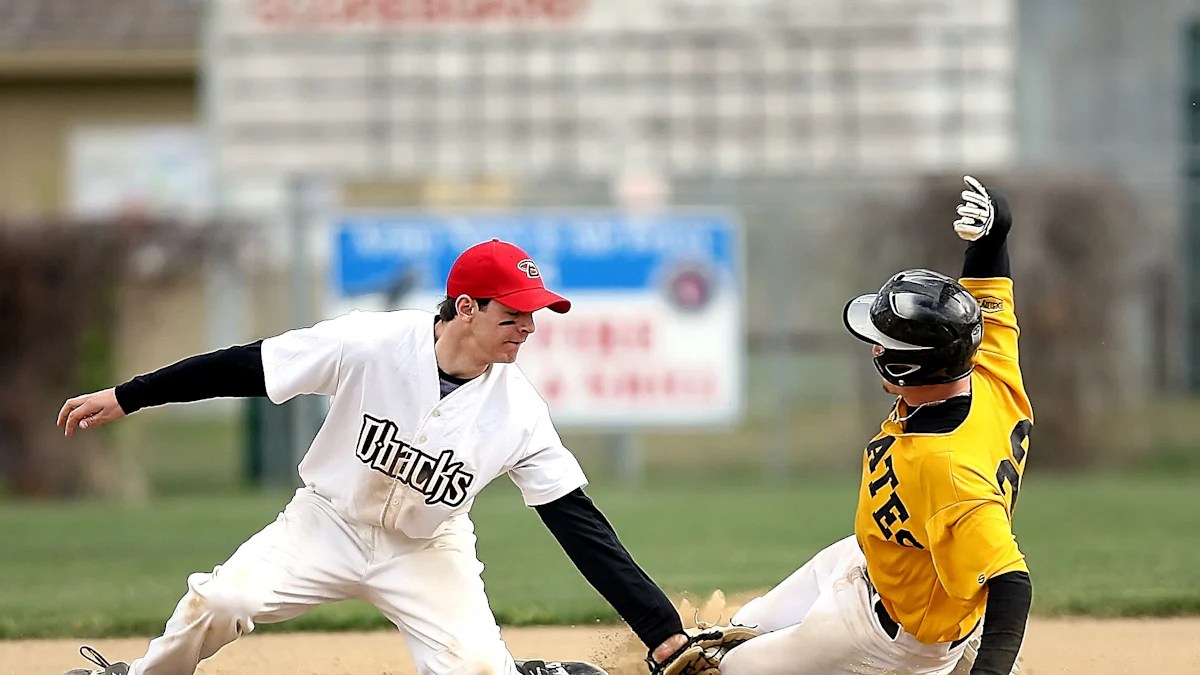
(1007, 472)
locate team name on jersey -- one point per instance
(892, 512)
(440, 478)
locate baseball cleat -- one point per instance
(106, 668)
(539, 667)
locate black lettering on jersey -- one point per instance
(876, 450)
(451, 483)
(893, 510)
(440, 478)
(371, 436)
(378, 446)
(420, 471)
(888, 478)
(404, 471)
(1008, 477)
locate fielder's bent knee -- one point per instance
(220, 600)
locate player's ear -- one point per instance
(466, 307)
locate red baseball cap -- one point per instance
(500, 271)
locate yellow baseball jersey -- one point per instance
(935, 511)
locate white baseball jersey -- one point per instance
(392, 452)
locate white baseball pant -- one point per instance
(821, 621)
(430, 589)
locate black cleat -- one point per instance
(106, 668)
(539, 667)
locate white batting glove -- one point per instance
(976, 213)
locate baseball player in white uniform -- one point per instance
(426, 410)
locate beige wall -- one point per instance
(37, 115)
(36, 118)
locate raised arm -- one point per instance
(985, 221)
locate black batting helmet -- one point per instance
(928, 325)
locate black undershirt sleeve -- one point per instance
(592, 544)
(1009, 597)
(235, 371)
(986, 259)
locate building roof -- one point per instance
(98, 25)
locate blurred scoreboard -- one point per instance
(521, 88)
(655, 334)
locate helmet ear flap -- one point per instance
(898, 371)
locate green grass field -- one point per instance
(1111, 545)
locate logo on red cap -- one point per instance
(529, 268)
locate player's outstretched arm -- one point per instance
(984, 219)
(592, 544)
(232, 372)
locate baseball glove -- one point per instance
(702, 654)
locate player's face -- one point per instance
(502, 331)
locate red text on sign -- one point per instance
(649, 386)
(359, 12)
(602, 337)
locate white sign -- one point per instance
(655, 333)
(154, 170)
(460, 88)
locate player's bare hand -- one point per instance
(669, 646)
(89, 411)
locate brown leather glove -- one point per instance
(702, 654)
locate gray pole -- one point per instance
(777, 460)
(627, 464)
(303, 408)
(223, 282)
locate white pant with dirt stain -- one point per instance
(430, 589)
(821, 621)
